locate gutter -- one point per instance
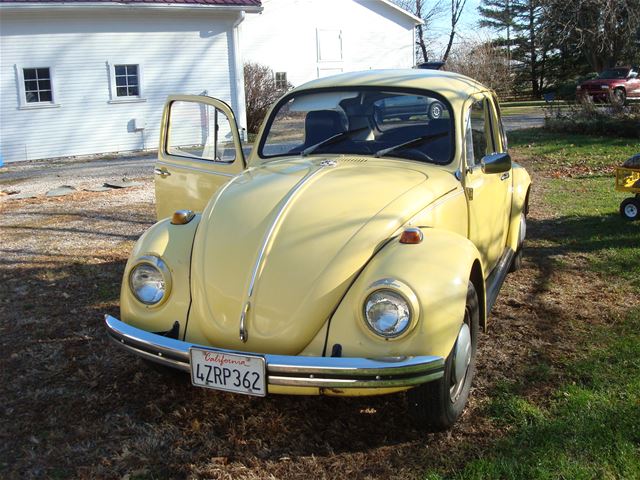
(131, 6)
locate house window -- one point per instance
(37, 85)
(127, 80)
(281, 80)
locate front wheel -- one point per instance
(630, 208)
(437, 405)
(619, 96)
(435, 110)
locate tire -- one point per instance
(516, 263)
(435, 110)
(619, 96)
(630, 208)
(435, 406)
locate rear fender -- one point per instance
(435, 273)
(521, 186)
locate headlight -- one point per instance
(387, 313)
(150, 280)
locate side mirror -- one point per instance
(496, 163)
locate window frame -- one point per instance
(488, 113)
(22, 90)
(113, 94)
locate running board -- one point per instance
(496, 279)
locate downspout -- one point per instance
(240, 102)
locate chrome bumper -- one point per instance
(290, 370)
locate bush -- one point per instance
(588, 118)
(260, 93)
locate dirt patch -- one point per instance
(73, 405)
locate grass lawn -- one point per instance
(588, 425)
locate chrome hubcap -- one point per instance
(630, 210)
(461, 359)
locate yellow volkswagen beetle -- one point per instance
(358, 251)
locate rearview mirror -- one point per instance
(496, 163)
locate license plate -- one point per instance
(230, 372)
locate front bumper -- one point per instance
(290, 370)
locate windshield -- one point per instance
(372, 122)
(613, 73)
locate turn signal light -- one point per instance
(411, 236)
(182, 217)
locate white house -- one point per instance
(305, 39)
(83, 77)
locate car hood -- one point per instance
(281, 243)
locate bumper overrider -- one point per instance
(289, 370)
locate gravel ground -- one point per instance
(72, 405)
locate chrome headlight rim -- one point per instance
(396, 287)
(159, 264)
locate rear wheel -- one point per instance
(437, 405)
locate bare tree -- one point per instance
(606, 31)
(261, 91)
(457, 7)
(485, 62)
(428, 12)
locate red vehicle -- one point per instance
(613, 84)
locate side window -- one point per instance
(37, 85)
(478, 133)
(127, 80)
(503, 133)
(200, 131)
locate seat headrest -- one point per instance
(322, 124)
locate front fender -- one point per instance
(172, 243)
(437, 270)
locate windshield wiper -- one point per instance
(331, 140)
(410, 143)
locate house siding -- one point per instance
(285, 37)
(180, 52)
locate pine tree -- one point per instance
(498, 15)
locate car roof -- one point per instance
(452, 86)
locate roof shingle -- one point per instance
(231, 3)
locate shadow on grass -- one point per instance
(609, 243)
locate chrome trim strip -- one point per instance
(276, 221)
(196, 169)
(266, 242)
(289, 370)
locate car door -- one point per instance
(488, 194)
(200, 151)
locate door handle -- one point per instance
(162, 172)
(504, 176)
